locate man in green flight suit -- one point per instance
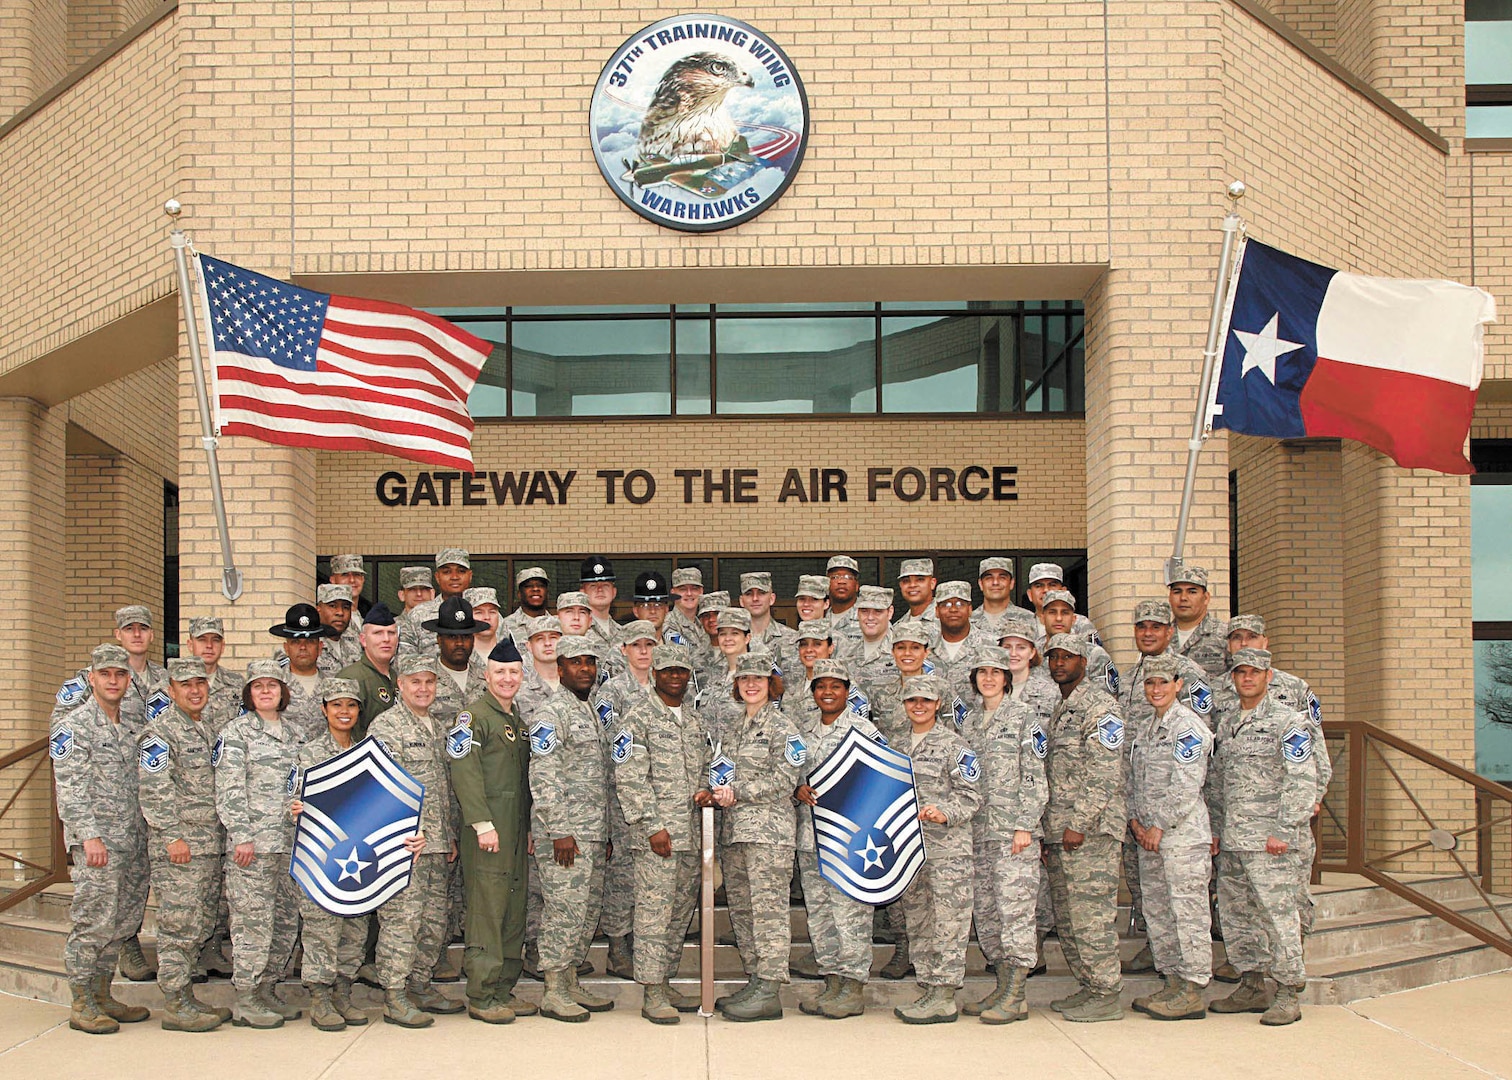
(373, 672)
(490, 757)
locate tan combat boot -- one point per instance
(1287, 1008)
(813, 1006)
(428, 999)
(1011, 1005)
(267, 993)
(400, 1010)
(936, 1006)
(763, 1004)
(1250, 997)
(85, 1015)
(492, 1011)
(1072, 1000)
(324, 1014)
(341, 997)
(253, 1012)
(585, 997)
(991, 998)
(1140, 963)
(899, 967)
(116, 1010)
(1099, 1006)
(133, 961)
(1142, 1004)
(557, 1002)
(621, 959)
(1184, 1002)
(182, 1013)
(849, 1000)
(656, 1008)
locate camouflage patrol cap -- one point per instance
(107, 656)
(953, 590)
(572, 599)
(337, 689)
(1061, 596)
(815, 630)
(874, 597)
(206, 624)
(761, 581)
(453, 557)
(542, 624)
(1186, 574)
(914, 631)
(1019, 626)
(131, 614)
(416, 663)
(671, 656)
(924, 686)
(267, 669)
(1255, 658)
(734, 618)
(184, 668)
(347, 564)
(1163, 666)
(812, 585)
(990, 656)
(1155, 611)
(842, 562)
(481, 595)
(758, 663)
(1071, 643)
(916, 568)
(531, 573)
(637, 630)
(1253, 623)
(995, 562)
(331, 594)
(687, 575)
(1046, 571)
(415, 577)
(832, 669)
(713, 601)
(576, 645)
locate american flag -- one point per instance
(303, 368)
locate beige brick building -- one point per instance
(434, 154)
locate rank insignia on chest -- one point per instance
(795, 750)
(1202, 697)
(157, 703)
(459, 740)
(293, 780)
(543, 738)
(1314, 707)
(622, 747)
(61, 744)
(1039, 742)
(153, 755)
(721, 771)
(605, 712)
(968, 767)
(1188, 746)
(1297, 744)
(1110, 676)
(958, 713)
(216, 751)
(1110, 732)
(72, 692)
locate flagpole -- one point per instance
(231, 578)
(1202, 419)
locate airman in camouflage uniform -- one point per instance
(816, 644)
(415, 588)
(453, 577)
(682, 620)
(916, 585)
(1085, 822)
(185, 840)
(661, 757)
(1011, 743)
(937, 903)
(254, 762)
(334, 602)
(94, 760)
(955, 647)
(569, 790)
(532, 585)
(597, 582)
(1045, 578)
(305, 638)
(767, 633)
(541, 679)
(811, 598)
(1260, 801)
(995, 579)
(844, 575)
(374, 672)
(485, 605)
(349, 570)
(1200, 636)
(717, 705)
(869, 656)
(1168, 765)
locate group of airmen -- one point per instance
(567, 759)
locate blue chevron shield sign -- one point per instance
(866, 822)
(359, 807)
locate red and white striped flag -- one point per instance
(302, 368)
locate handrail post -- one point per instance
(706, 936)
(1355, 846)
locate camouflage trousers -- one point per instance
(215, 947)
(1006, 895)
(618, 915)
(264, 918)
(666, 891)
(937, 905)
(1131, 853)
(189, 899)
(839, 928)
(532, 900)
(1084, 892)
(107, 908)
(1175, 885)
(1306, 849)
(332, 945)
(756, 880)
(411, 925)
(1257, 894)
(571, 899)
(1044, 904)
(456, 901)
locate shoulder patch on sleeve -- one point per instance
(1110, 676)
(543, 738)
(157, 702)
(153, 754)
(1188, 746)
(606, 714)
(967, 767)
(1297, 744)
(1314, 707)
(795, 750)
(1039, 742)
(291, 783)
(217, 752)
(1110, 731)
(459, 740)
(1201, 696)
(958, 712)
(858, 703)
(623, 746)
(61, 745)
(72, 692)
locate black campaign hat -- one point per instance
(454, 617)
(651, 586)
(302, 621)
(596, 568)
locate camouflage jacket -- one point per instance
(225, 702)
(781, 641)
(1168, 767)
(768, 755)
(1040, 693)
(1012, 744)
(305, 713)
(255, 773)
(988, 623)
(679, 629)
(947, 775)
(176, 782)
(1197, 693)
(533, 693)
(1206, 645)
(95, 772)
(1264, 777)
(613, 700)
(418, 744)
(412, 636)
(1294, 693)
(1082, 627)
(450, 700)
(569, 772)
(338, 653)
(823, 740)
(927, 617)
(866, 670)
(660, 763)
(845, 630)
(801, 706)
(716, 700)
(1085, 766)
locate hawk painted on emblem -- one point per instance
(1297, 744)
(721, 771)
(1188, 746)
(72, 692)
(1202, 697)
(459, 740)
(1110, 731)
(61, 744)
(968, 768)
(153, 754)
(543, 738)
(157, 703)
(622, 746)
(1039, 742)
(687, 116)
(795, 750)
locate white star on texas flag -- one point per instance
(351, 867)
(871, 855)
(1261, 350)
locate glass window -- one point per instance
(797, 365)
(1491, 604)
(592, 367)
(693, 366)
(1488, 69)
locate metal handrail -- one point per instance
(52, 874)
(1366, 746)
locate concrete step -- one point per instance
(1404, 967)
(1389, 927)
(1342, 895)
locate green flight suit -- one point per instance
(491, 781)
(378, 693)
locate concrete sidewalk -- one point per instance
(1444, 1032)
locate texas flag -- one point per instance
(1391, 363)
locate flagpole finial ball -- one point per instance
(1236, 190)
(173, 208)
